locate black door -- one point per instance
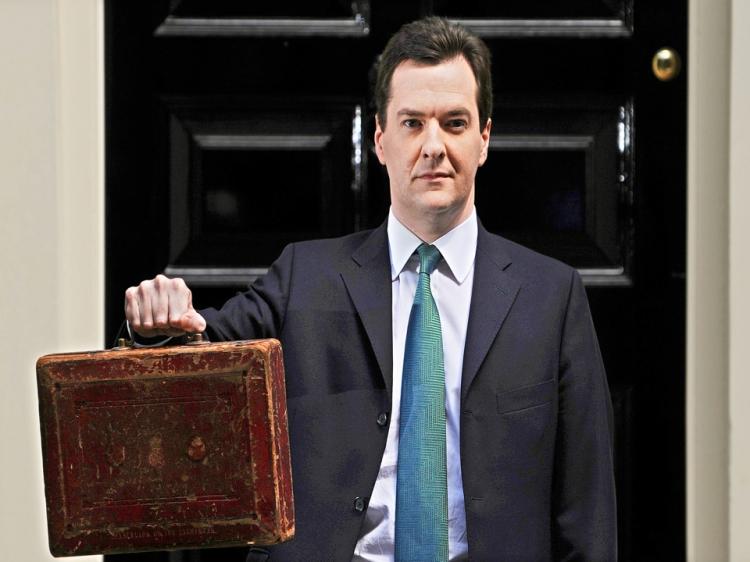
(236, 127)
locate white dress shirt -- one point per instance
(451, 285)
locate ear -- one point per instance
(379, 141)
(485, 142)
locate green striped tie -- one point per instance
(422, 490)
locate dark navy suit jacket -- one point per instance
(536, 420)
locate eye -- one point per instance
(456, 124)
(410, 123)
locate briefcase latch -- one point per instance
(124, 343)
(195, 339)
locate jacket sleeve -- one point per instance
(584, 510)
(259, 311)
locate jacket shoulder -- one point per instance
(525, 264)
(344, 251)
(342, 245)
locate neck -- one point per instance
(430, 227)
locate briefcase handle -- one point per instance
(130, 341)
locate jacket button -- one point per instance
(382, 419)
(359, 504)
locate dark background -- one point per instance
(235, 127)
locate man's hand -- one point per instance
(162, 307)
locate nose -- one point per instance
(433, 147)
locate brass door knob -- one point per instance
(666, 64)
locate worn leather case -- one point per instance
(165, 448)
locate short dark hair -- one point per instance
(430, 41)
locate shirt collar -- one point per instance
(458, 246)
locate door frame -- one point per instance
(718, 274)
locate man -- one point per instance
(526, 418)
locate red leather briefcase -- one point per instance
(165, 448)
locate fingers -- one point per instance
(162, 306)
(193, 322)
(134, 311)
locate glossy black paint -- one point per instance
(230, 135)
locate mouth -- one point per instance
(432, 176)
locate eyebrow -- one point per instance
(459, 111)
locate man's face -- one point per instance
(432, 144)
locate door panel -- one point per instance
(234, 128)
(222, 153)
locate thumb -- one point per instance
(193, 322)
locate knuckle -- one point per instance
(130, 297)
(144, 288)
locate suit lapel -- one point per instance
(492, 296)
(368, 281)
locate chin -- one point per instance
(441, 200)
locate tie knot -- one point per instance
(429, 256)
